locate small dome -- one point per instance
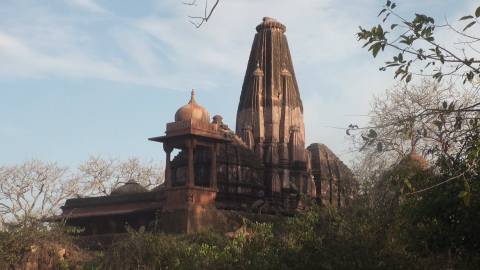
(414, 160)
(192, 111)
(130, 187)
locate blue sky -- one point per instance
(98, 77)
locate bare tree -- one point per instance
(34, 190)
(208, 10)
(437, 121)
(101, 176)
(417, 118)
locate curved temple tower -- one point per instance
(270, 111)
(216, 174)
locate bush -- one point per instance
(36, 246)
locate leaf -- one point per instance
(477, 12)
(380, 30)
(466, 17)
(437, 75)
(408, 184)
(394, 5)
(383, 10)
(393, 26)
(439, 124)
(379, 147)
(445, 105)
(469, 25)
(451, 107)
(409, 78)
(386, 17)
(376, 48)
(466, 185)
(470, 76)
(388, 3)
(465, 195)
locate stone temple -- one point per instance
(262, 168)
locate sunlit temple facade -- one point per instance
(261, 168)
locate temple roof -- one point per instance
(130, 187)
(111, 205)
(327, 164)
(269, 57)
(192, 111)
(271, 23)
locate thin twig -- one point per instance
(436, 185)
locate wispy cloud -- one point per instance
(88, 5)
(159, 48)
(19, 60)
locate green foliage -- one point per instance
(399, 222)
(144, 250)
(415, 42)
(36, 246)
(439, 224)
(383, 229)
(320, 238)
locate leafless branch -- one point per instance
(198, 21)
(436, 185)
(35, 190)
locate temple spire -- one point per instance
(271, 83)
(192, 97)
(270, 108)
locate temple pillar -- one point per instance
(168, 169)
(190, 167)
(213, 167)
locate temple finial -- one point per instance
(192, 98)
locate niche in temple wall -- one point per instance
(179, 176)
(202, 166)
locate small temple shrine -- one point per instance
(261, 169)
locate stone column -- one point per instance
(190, 169)
(168, 169)
(213, 167)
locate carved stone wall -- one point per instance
(334, 181)
(270, 109)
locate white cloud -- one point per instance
(19, 60)
(89, 5)
(163, 50)
(177, 49)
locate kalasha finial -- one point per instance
(192, 98)
(268, 19)
(271, 23)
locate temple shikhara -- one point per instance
(262, 168)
